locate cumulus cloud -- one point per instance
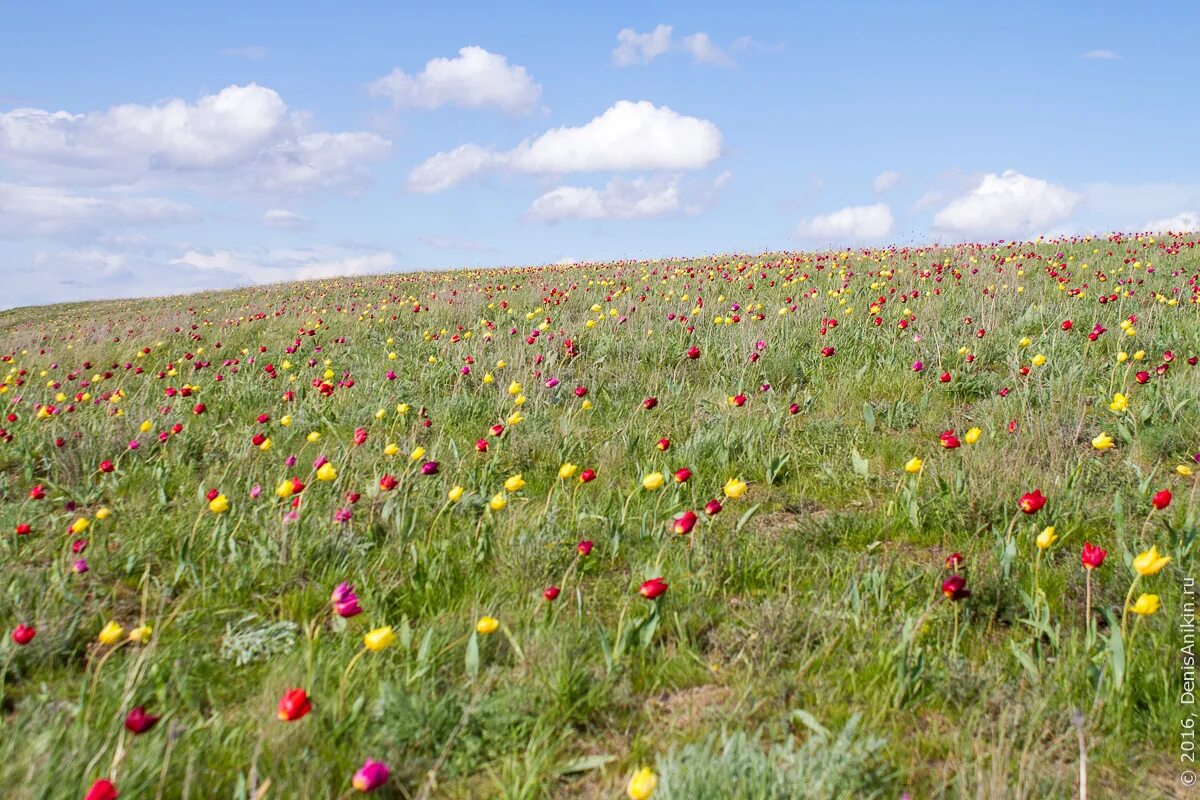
(850, 224)
(1101, 55)
(242, 133)
(639, 198)
(1183, 221)
(642, 48)
(1007, 205)
(627, 137)
(34, 211)
(887, 180)
(260, 266)
(285, 220)
(476, 79)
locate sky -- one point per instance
(156, 148)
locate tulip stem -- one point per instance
(1087, 613)
(345, 679)
(1125, 608)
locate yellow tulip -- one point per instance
(140, 634)
(1150, 562)
(653, 481)
(326, 472)
(515, 483)
(219, 504)
(498, 501)
(913, 465)
(487, 625)
(567, 471)
(972, 436)
(379, 639)
(103, 513)
(111, 633)
(514, 388)
(642, 784)
(735, 488)
(392, 449)
(285, 489)
(416, 454)
(1103, 442)
(1145, 605)
(455, 494)
(1046, 538)
(1183, 470)
(1039, 360)
(80, 525)
(314, 436)
(1119, 403)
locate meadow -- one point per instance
(875, 523)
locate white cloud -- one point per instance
(887, 180)
(1007, 205)
(642, 48)
(850, 224)
(1183, 221)
(476, 79)
(35, 211)
(640, 198)
(283, 219)
(1101, 55)
(704, 51)
(254, 53)
(627, 137)
(241, 134)
(238, 267)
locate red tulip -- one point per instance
(23, 634)
(712, 508)
(106, 466)
(481, 445)
(37, 492)
(663, 444)
(954, 561)
(360, 436)
(649, 403)
(955, 588)
(653, 588)
(387, 482)
(199, 408)
(370, 776)
(1067, 325)
(739, 400)
(944, 377)
(794, 408)
(1092, 556)
(294, 705)
(137, 721)
(826, 352)
(685, 522)
(693, 352)
(949, 440)
(587, 476)
(584, 547)
(1142, 377)
(682, 474)
(551, 593)
(102, 790)
(581, 391)
(1032, 502)
(1161, 499)
(23, 529)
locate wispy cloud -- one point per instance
(1102, 55)
(254, 53)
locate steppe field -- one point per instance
(906, 522)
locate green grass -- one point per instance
(804, 640)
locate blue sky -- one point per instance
(153, 148)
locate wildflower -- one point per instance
(913, 465)
(954, 561)
(712, 508)
(379, 639)
(487, 625)
(370, 776)
(682, 475)
(1103, 442)
(219, 504)
(587, 476)
(653, 588)
(1092, 556)
(735, 488)
(417, 454)
(137, 721)
(1150, 562)
(294, 704)
(584, 548)
(685, 522)
(111, 633)
(498, 502)
(430, 468)
(141, 634)
(663, 445)
(1038, 360)
(1161, 499)
(455, 494)
(1145, 605)
(387, 482)
(326, 472)
(1046, 538)
(23, 634)
(972, 436)
(1119, 403)
(392, 449)
(1184, 471)
(80, 566)
(80, 525)
(955, 588)
(653, 481)
(102, 789)
(514, 483)
(1032, 502)
(642, 784)
(345, 601)
(551, 593)
(567, 471)
(949, 440)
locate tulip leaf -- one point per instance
(473, 656)
(587, 764)
(861, 465)
(869, 417)
(745, 518)
(1025, 659)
